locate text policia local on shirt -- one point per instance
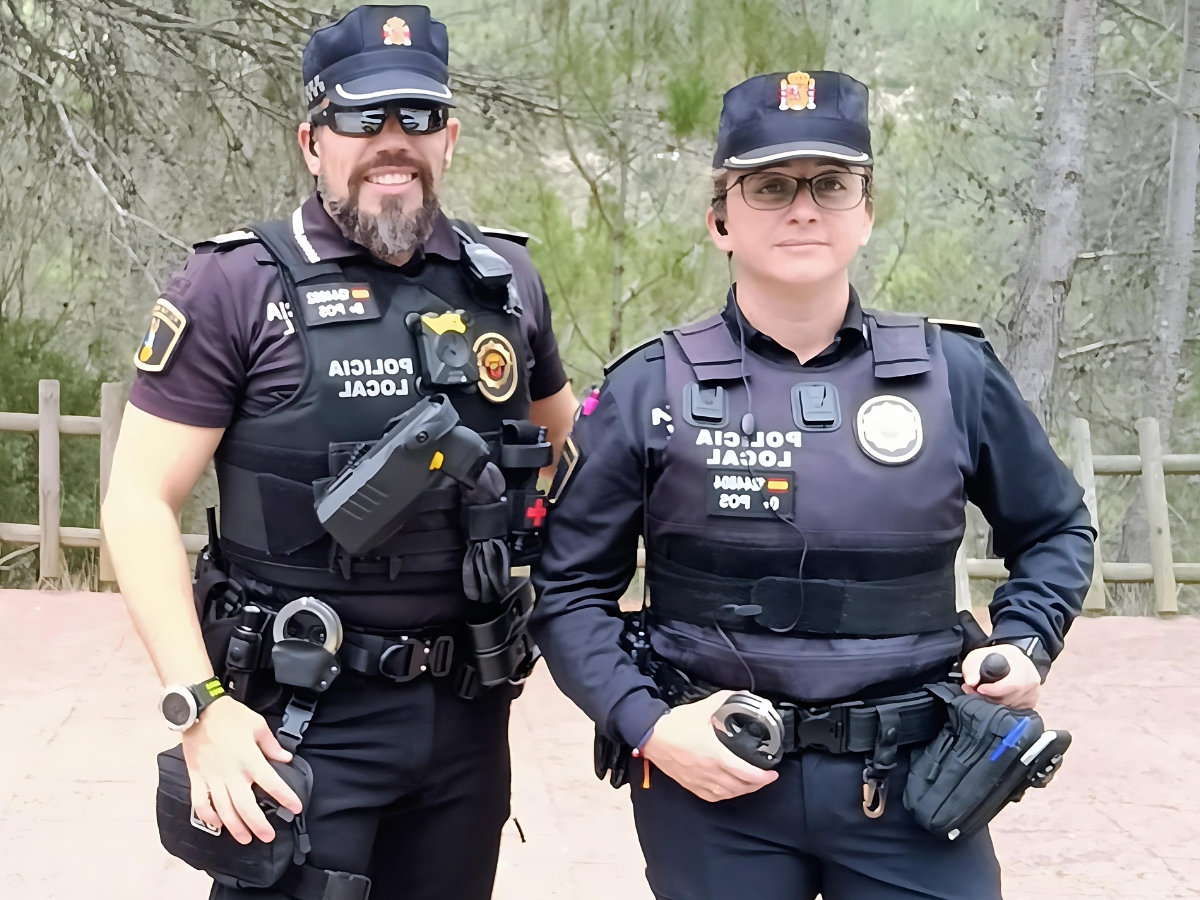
(732, 449)
(354, 370)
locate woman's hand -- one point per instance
(684, 746)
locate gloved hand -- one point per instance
(486, 564)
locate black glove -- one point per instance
(485, 521)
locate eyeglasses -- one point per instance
(829, 190)
(370, 121)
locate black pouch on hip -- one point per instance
(255, 865)
(985, 757)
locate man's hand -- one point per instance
(226, 753)
(684, 747)
(1018, 689)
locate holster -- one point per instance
(985, 757)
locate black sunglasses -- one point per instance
(370, 121)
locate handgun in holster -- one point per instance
(377, 494)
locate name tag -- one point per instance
(327, 304)
(749, 494)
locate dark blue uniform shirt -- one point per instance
(1040, 525)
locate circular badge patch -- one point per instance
(497, 366)
(889, 430)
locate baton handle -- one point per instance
(993, 668)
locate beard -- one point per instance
(393, 233)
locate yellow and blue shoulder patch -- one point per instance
(167, 325)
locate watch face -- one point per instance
(176, 709)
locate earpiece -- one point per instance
(720, 225)
(312, 142)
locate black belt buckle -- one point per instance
(823, 728)
(415, 662)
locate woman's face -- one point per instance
(800, 244)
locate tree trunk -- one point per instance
(617, 241)
(1175, 266)
(1169, 322)
(1045, 274)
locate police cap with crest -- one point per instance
(771, 118)
(377, 54)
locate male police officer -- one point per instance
(799, 467)
(284, 352)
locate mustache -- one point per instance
(398, 158)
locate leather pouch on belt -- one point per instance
(254, 865)
(984, 758)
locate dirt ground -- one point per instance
(78, 731)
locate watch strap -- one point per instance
(206, 692)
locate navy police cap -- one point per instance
(377, 54)
(770, 118)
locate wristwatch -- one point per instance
(1033, 648)
(181, 705)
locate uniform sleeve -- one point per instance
(1041, 527)
(589, 558)
(548, 376)
(206, 370)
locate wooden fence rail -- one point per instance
(48, 424)
(1150, 463)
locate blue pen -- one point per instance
(1010, 740)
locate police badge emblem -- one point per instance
(497, 366)
(166, 327)
(396, 33)
(889, 430)
(798, 91)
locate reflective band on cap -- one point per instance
(443, 94)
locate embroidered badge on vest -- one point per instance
(162, 337)
(889, 430)
(496, 360)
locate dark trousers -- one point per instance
(410, 788)
(804, 835)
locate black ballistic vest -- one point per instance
(362, 368)
(822, 544)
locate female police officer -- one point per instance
(799, 467)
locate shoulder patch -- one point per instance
(517, 237)
(167, 325)
(225, 241)
(652, 352)
(970, 328)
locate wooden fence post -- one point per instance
(962, 580)
(49, 489)
(112, 399)
(1154, 489)
(1085, 474)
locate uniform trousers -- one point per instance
(410, 787)
(803, 835)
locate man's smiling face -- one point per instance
(381, 189)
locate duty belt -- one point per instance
(854, 727)
(488, 649)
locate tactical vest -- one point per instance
(837, 517)
(362, 369)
